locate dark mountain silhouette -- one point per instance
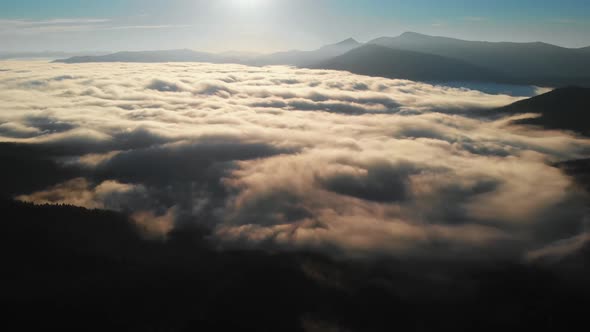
(375, 60)
(27, 168)
(528, 63)
(78, 269)
(564, 108)
(93, 270)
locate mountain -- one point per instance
(340, 48)
(39, 55)
(529, 63)
(239, 55)
(564, 108)
(307, 58)
(426, 58)
(296, 58)
(375, 60)
(151, 56)
(91, 270)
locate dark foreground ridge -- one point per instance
(565, 108)
(76, 269)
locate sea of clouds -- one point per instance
(298, 159)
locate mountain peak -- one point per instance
(348, 41)
(411, 34)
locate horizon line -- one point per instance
(218, 52)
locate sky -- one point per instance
(272, 25)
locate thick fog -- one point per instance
(292, 159)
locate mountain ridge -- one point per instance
(178, 55)
(534, 63)
(529, 63)
(402, 64)
(292, 57)
(565, 108)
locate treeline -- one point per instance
(76, 269)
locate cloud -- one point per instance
(297, 159)
(379, 183)
(25, 26)
(59, 21)
(154, 226)
(17, 130)
(560, 249)
(147, 27)
(106, 195)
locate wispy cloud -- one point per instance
(162, 26)
(24, 26)
(57, 21)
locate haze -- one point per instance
(273, 25)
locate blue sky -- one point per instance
(268, 25)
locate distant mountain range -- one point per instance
(295, 58)
(41, 55)
(184, 55)
(409, 56)
(527, 63)
(307, 58)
